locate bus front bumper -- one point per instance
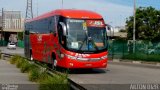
(87, 64)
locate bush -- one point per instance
(142, 57)
(40, 75)
(14, 59)
(0, 55)
(34, 75)
(26, 67)
(54, 83)
(19, 62)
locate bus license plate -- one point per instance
(88, 65)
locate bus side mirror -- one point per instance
(64, 28)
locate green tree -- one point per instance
(147, 24)
(20, 35)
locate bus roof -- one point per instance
(70, 13)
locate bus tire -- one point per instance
(54, 64)
(31, 56)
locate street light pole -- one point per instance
(62, 4)
(134, 27)
(2, 34)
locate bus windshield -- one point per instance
(86, 35)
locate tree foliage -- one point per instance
(147, 24)
(20, 35)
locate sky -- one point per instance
(114, 12)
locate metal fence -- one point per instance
(3, 43)
(20, 43)
(144, 50)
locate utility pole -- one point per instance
(62, 4)
(134, 27)
(29, 10)
(2, 33)
(37, 8)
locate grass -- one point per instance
(40, 75)
(0, 55)
(26, 67)
(54, 83)
(34, 75)
(142, 57)
(14, 59)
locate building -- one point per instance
(0, 27)
(115, 32)
(13, 21)
(12, 24)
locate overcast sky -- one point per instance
(114, 12)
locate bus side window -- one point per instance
(51, 25)
(55, 25)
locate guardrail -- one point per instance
(73, 85)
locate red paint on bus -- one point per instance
(46, 47)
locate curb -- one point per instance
(158, 64)
(135, 63)
(73, 85)
(116, 60)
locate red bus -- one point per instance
(67, 38)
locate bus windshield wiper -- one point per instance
(85, 39)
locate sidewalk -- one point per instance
(11, 75)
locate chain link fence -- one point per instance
(144, 50)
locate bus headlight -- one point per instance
(62, 55)
(104, 57)
(71, 57)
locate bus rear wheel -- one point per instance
(31, 57)
(54, 64)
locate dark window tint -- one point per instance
(46, 25)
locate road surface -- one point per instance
(19, 51)
(117, 74)
(12, 79)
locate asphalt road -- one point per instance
(115, 76)
(19, 51)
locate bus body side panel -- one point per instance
(36, 47)
(47, 50)
(42, 47)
